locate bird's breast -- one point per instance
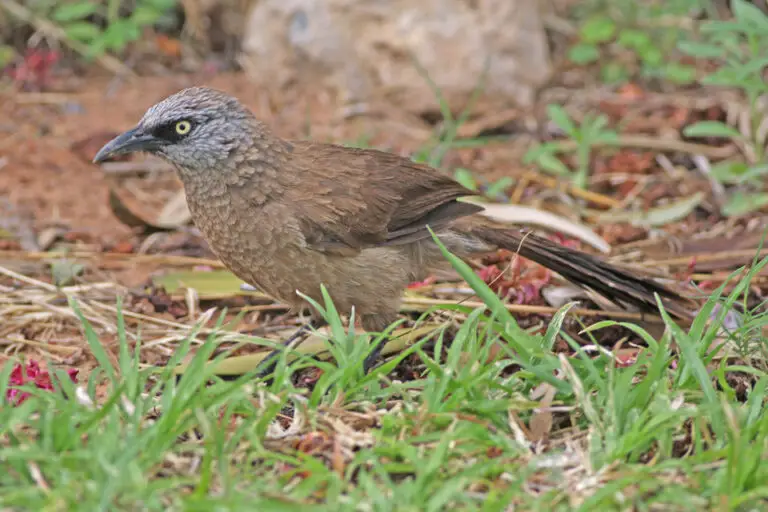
(259, 245)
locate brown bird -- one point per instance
(288, 216)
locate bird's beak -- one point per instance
(129, 142)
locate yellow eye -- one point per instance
(183, 127)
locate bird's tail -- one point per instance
(618, 285)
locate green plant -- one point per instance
(590, 131)
(492, 190)
(635, 39)
(740, 47)
(96, 27)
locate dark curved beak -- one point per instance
(129, 142)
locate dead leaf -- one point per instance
(541, 419)
(654, 217)
(631, 92)
(65, 271)
(209, 285)
(173, 216)
(49, 235)
(168, 46)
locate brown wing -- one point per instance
(350, 199)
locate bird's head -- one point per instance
(196, 129)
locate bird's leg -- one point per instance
(371, 324)
(372, 359)
(293, 341)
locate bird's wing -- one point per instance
(349, 199)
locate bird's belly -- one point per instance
(370, 281)
(267, 250)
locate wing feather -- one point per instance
(350, 199)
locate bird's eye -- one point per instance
(183, 127)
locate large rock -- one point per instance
(370, 47)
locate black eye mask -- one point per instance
(167, 131)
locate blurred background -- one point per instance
(638, 121)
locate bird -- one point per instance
(290, 216)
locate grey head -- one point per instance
(195, 129)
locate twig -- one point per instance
(540, 310)
(42, 345)
(569, 188)
(721, 276)
(166, 259)
(29, 280)
(168, 323)
(686, 260)
(655, 143)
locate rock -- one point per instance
(365, 48)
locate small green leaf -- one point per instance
(613, 73)
(583, 53)
(729, 171)
(742, 203)
(132, 32)
(550, 163)
(711, 129)
(498, 188)
(634, 39)
(96, 47)
(74, 11)
(592, 127)
(82, 31)
(724, 29)
(753, 172)
(535, 152)
(606, 136)
(145, 15)
(701, 50)
(748, 13)
(211, 285)
(651, 56)
(679, 73)
(465, 178)
(726, 75)
(560, 117)
(598, 30)
(119, 34)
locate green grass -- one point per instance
(470, 431)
